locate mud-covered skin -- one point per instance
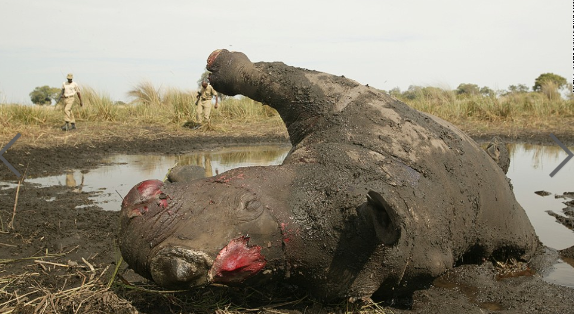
(375, 197)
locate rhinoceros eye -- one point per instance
(252, 205)
(249, 207)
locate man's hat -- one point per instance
(70, 76)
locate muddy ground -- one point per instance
(57, 258)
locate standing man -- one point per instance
(69, 90)
(204, 102)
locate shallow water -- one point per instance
(120, 173)
(530, 168)
(529, 171)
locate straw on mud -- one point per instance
(11, 223)
(43, 302)
(51, 263)
(8, 260)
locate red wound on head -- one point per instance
(237, 261)
(149, 188)
(144, 193)
(212, 57)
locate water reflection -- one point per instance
(121, 172)
(529, 171)
(71, 181)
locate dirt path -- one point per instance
(58, 258)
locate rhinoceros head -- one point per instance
(213, 230)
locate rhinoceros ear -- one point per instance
(386, 220)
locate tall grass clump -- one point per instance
(182, 104)
(508, 107)
(97, 106)
(21, 117)
(146, 94)
(244, 108)
(171, 105)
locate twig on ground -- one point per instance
(11, 223)
(51, 263)
(89, 265)
(48, 255)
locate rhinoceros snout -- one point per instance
(180, 267)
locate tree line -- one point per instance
(549, 84)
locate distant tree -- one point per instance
(413, 92)
(557, 81)
(43, 95)
(486, 91)
(204, 77)
(395, 92)
(520, 88)
(467, 89)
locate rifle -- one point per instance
(197, 98)
(58, 100)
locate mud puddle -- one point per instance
(119, 173)
(529, 171)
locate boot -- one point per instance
(66, 127)
(73, 126)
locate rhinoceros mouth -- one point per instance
(176, 266)
(236, 262)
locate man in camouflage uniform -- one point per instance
(69, 90)
(204, 102)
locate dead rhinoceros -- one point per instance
(373, 197)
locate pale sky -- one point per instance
(111, 46)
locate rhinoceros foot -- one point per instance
(237, 261)
(180, 267)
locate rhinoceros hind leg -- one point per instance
(180, 267)
(385, 219)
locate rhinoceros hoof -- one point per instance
(180, 267)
